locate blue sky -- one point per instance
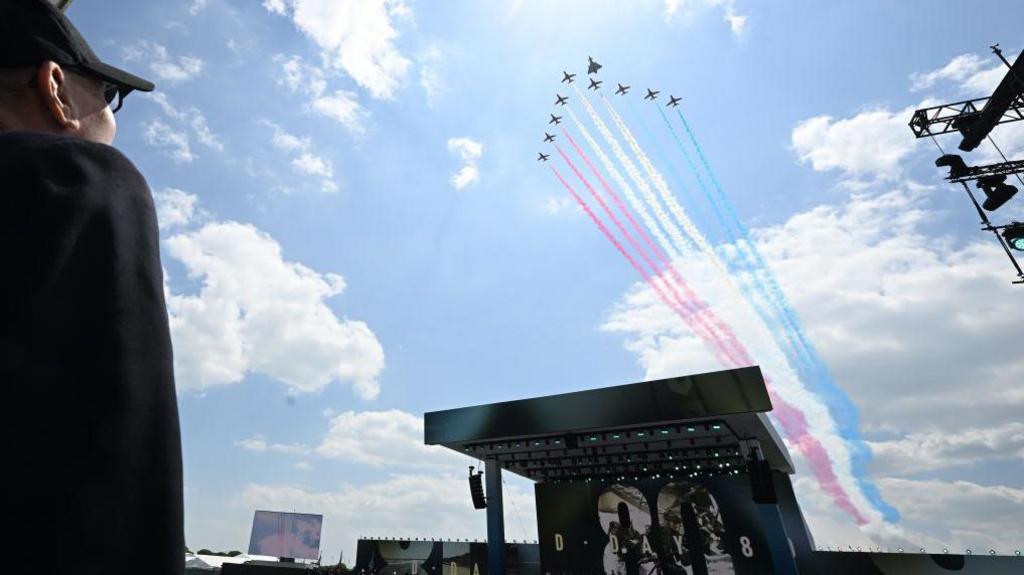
(328, 283)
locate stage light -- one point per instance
(1014, 235)
(996, 189)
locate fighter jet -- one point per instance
(560, 100)
(542, 157)
(673, 101)
(592, 66)
(549, 137)
(651, 94)
(555, 119)
(567, 77)
(595, 84)
(622, 90)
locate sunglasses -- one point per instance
(114, 96)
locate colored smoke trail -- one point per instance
(793, 348)
(681, 245)
(707, 317)
(683, 309)
(782, 336)
(843, 411)
(821, 467)
(622, 250)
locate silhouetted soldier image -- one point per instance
(91, 446)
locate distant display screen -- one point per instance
(280, 534)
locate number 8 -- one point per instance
(745, 547)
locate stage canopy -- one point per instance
(696, 425)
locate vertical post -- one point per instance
(495, 519)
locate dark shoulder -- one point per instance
(49, 163)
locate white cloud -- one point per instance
(960, 514)
(259, 444)
(356, 36)
(383, 438)
(873, 143)
(176, 142)
(557, 205)
(938, 449)
(972, 74)
(431, 62)
(163, 66)
(341, 106)
(197, 7)
(312, 165)
(257, 312)
(957, 70)
(276, 7)
(191, 117)
(305, 160)
(466, 176)
(469, 151)
(737, 22)
(174, 207)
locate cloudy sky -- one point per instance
(355, 232)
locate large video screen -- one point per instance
(669, 526)
(280, 534)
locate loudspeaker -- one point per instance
(476, 490)
(761, 486)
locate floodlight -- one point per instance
(996, 189)
(1014, 235)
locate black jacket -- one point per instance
(91, 445)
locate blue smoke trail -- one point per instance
(789, 346)
(748, 286)
(843, 410)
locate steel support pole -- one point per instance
(495, 519)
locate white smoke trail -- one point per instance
(682, 245)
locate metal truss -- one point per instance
(977, 172)
(947, 118)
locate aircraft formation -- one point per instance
(592, 67)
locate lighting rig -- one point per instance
(974, 120)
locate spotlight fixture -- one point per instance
(997, 191)
(1014, 235)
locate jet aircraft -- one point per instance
(592, 66)
(622, 90)
(595, 84)
(567, 77)
(549, 137)
(542, 157)
(673, 101)
(651, 94)
(560, 100)
(555, 119)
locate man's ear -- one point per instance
(52, 86)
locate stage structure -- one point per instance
(681, 475)
(975, 120)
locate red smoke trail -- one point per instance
(693, 303)
(636, 265)
(794, 424)
(681, 308)
(793, 421)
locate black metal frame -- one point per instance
(948, 118)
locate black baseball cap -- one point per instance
(34, 31)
